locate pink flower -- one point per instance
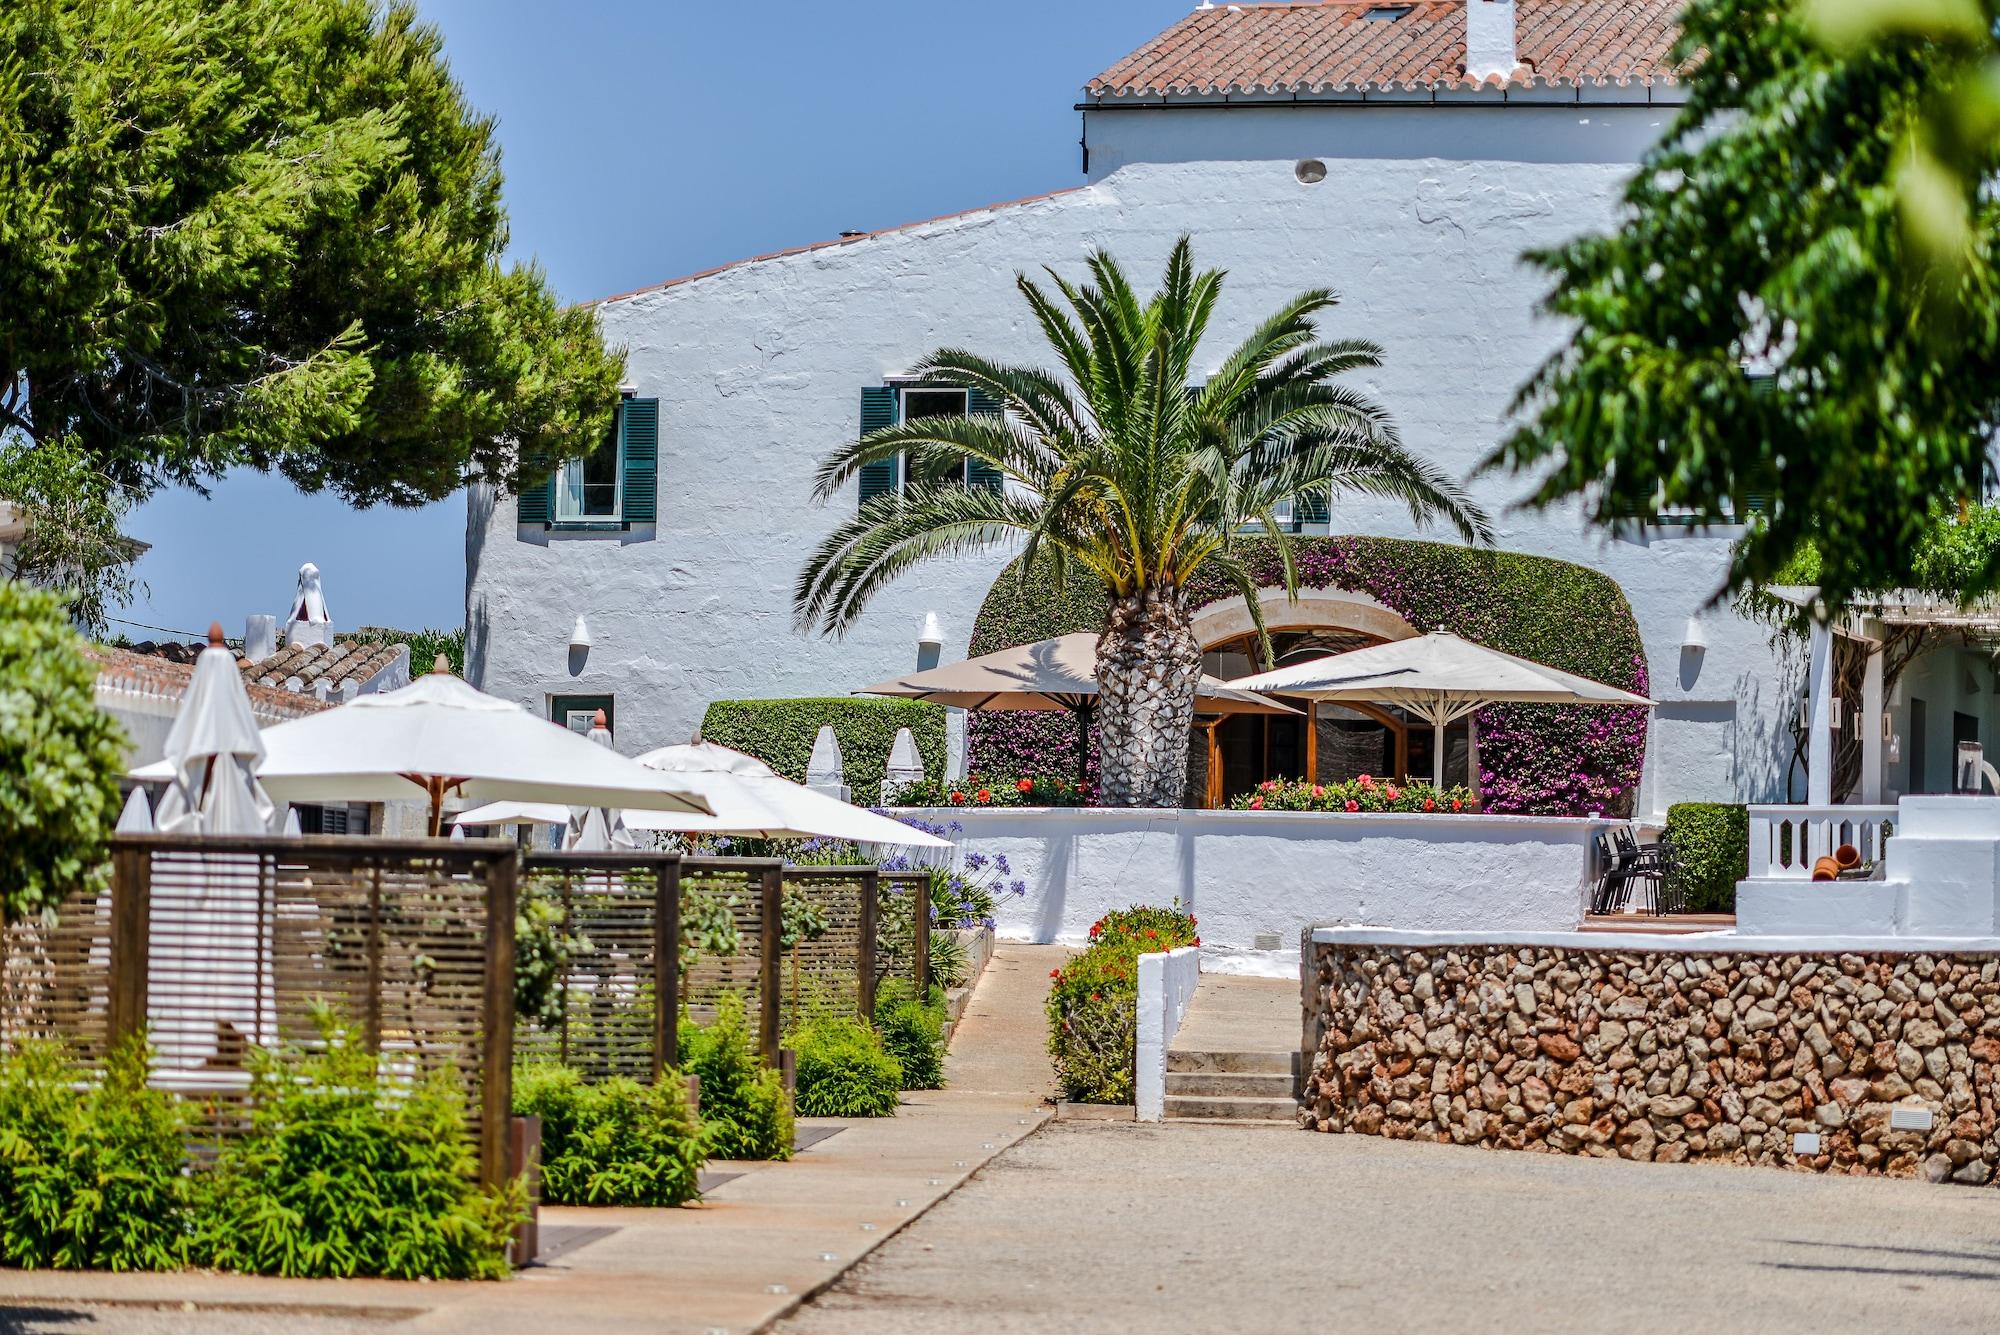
(1353, 805)
(1393, 792)
(1256, 804)
(1366, 781)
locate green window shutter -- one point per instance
(1311, 507)
(878, 410)
(978, 403)
(639, 438)
(538, 502)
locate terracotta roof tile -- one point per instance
(348, 660)
(148, 674)
(1331, 45)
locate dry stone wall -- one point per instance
(1663, 1055)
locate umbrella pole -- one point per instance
(1082, 745)
(1437, 756)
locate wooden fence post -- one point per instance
(871, 904)
(771, 931)
(666, 964)
(920, 946)
(496, 1075)
(131, 930)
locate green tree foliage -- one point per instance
(60, 757)
(1114, 467)
(614, 1142)
(268, 233)
(72, 515)
(347, 1171)
(1768, 230)
(90, 1180)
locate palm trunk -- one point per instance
(1148, 662)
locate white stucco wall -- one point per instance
(1242, 873)
(759, 369)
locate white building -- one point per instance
(1337, 144)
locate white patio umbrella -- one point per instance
(209, 948)
(136, 817)
(597, 829)
(1439, 678)
(437, 736)
(1059, 673)
(751, 799)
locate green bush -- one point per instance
(843, 1070)
(780, 733)
(912, 1032)
(91, 1181)
(744, 1111)
(346, 1171)
(1708, 852)
(1093, 1005)
(60, 757)
(615, 1142)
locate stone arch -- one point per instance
(1314, 609)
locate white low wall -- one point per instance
(1243, 873)
(1167, 981)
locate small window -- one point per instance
(1386, 13)
(578, 712)
(1310, 171)
(588, 488)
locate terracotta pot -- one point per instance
(1848, 856)
(1826, 869)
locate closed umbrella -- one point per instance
(597, 829)
(1059, 673)
(1438, 677)
(439, 736)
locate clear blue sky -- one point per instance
(644, 140)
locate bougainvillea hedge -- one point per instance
(1534, 759)
(780, 733)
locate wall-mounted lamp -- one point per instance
(1895, 748)
(1834, 716)
(579, 635)
(1888, 728)
(1693, 638)
(930, 643)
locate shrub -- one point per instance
(1708, 853)
(843, 1070)
(347, 1172)
(91, 1181)
(1365, 793)
(60, 757)
(1539, 759)
(912, 1032)
(615, 1142)
(950, 964)
(1093, 1005)
(780, 733)
(744, 1111)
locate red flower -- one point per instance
(1256, 804)
(1055, 973)
(1197, 940)
(1193, 921)
(985, 794)
(1393, 792)
(1096, 928)
(1353, 805)
(1319, 790)
(1456, 804)
(1430, 804)
(1097, 996)
(957, 796)
(1152, 935)
(1366, 781)
(1026, 786)
(1269, 785)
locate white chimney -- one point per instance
(309, 622)
(1489, 39)
(260, 637)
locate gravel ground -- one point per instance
(1192, 1227)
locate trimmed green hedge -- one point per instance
(1708, 853)
(780, 733)
(1543, 759)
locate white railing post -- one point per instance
(1812, 832)
(1149, 1077)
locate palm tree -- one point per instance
(1126, 472)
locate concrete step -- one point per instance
(1230, 1084)
(1238, 1063)
(1180, 1106)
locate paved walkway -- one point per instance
(1231, 1013)
(1099, 1226)
(755, 1246)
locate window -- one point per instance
(315, 818)
(888, 405)
(578, 712)
(615, 486)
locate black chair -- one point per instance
(1613, 883)
(1640, 864)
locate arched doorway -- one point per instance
(1325, 743)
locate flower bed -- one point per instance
(1363, 794)
(1093, 1003)
(989, 791)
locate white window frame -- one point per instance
(558, 505)
(902, 396)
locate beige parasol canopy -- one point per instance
(1438, 677)
(1050, 674)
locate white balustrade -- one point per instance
(1785, 841)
